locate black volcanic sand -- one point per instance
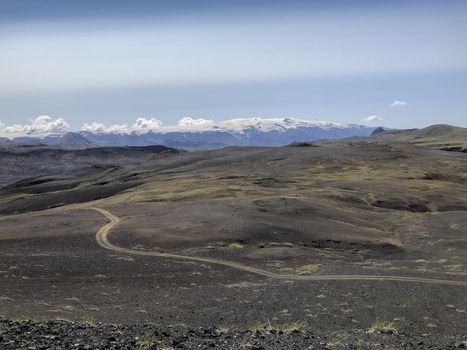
(360, 209)
(62, 334)
(40, 168)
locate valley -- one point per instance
(335, 237)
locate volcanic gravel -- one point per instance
(70, 335)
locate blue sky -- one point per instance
(113, 61)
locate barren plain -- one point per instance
(336, 241)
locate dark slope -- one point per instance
(47, 164)
(440, 136)
(70, 140)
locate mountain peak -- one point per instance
(197, 133)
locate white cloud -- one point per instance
(141, 124)
(372, 118)
(398, 103)
(42, 124)
(187, 121)
(119, 128)
(94, 127)
(147, 124)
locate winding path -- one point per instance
(103, 241)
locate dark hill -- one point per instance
(74, 140)
(33, 161)
(440, 136)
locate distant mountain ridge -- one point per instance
(5, 141)
(200, 133)
(441, 136)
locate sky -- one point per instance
(399, 64)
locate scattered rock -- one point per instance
(71, 335)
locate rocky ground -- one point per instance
(393, 210)
(69, 335)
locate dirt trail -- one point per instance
(103, 241)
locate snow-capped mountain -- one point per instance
(188, 124)
(202, 133)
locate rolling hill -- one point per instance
(440, 136)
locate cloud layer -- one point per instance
(59, 56)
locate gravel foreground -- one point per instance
(71, 335)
